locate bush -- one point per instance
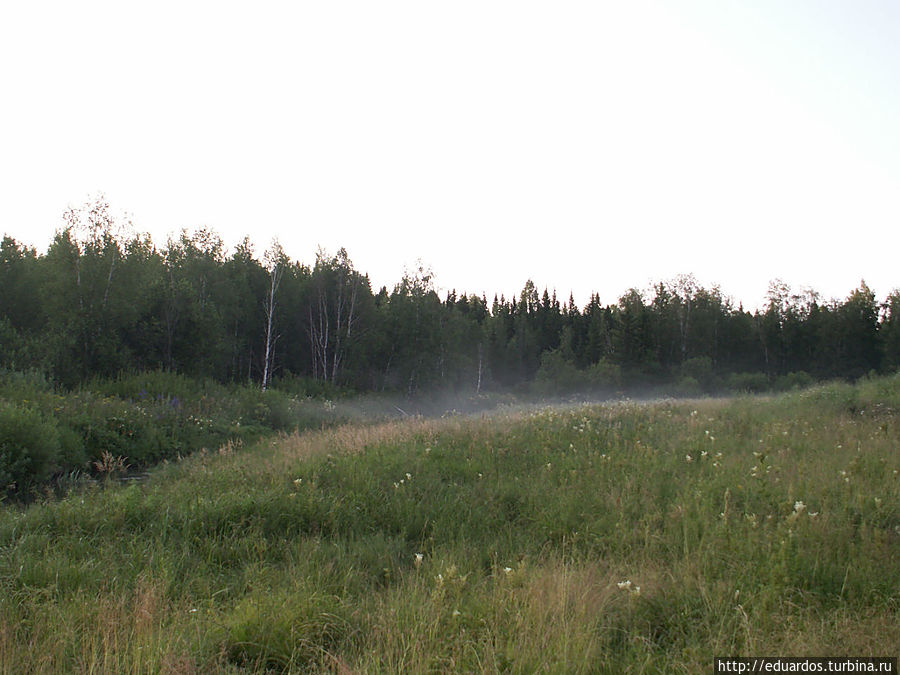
(752, 383)
(687, 386)
(604, 375)
(558, 376)
(29, 446)
(699, 369)
(792, 381)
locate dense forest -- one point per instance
(103, 301)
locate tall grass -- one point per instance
(615, 538)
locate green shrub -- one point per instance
(687, 386)
(791, 381)
(700, 369)
(557, 375)
(604, 375)
(752, 383)
(29, 446)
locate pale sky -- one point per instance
(590, 146)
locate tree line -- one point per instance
(104, 301)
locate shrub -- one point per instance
(29, 446)
(791, 381)
(699, 369)
(752, 383)
(604, 375)
(558, 375)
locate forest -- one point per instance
(103, 301)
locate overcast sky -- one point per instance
(590, 146)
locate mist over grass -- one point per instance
(621, 537)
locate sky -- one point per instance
(588, 146)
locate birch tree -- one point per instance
(333, 312)
(275, 262)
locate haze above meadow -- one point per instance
(587, 146)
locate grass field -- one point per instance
(626, 537)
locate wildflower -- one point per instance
(703, 454)
(456, 612)
(799, 507)
(408, 476)
(507, 570)
(396, 486)
(624, 585)
(813, 514)
(479, 474)
(877, 501)
(688, 458)
(298, 481)
(419, 558)
(548, 465)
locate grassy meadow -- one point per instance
(623, 537)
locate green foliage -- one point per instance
(29, 446)
(749, 383)
(285, 630)
(790, 381)
(102, 302)
(141, 419)
(557, 375)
